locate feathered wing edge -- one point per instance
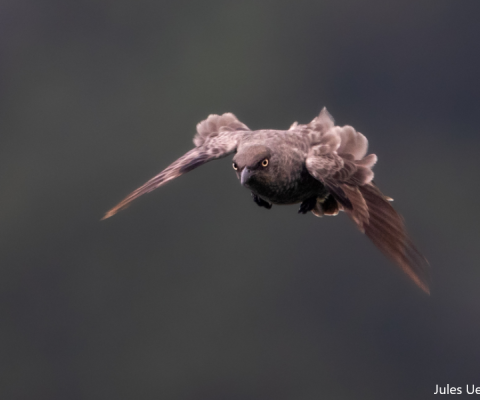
(193, 159)
(338, 160)
(216, 137)
(375, 216)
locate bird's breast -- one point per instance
(288, 191)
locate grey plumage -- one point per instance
(322, 166)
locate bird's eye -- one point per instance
(265, 162)
(234, 165)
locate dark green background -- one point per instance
(194, 292)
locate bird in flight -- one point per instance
(319, 165)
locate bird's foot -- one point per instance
(307, 205)
(261, 202)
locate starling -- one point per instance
(319, 165)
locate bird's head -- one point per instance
(254, 165)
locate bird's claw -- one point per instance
(307, 205)
(261, 202)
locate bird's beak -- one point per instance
(245, 176)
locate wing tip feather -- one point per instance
(394, 244)
(108, 214)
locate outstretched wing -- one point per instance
(338, 160)
(217, 137)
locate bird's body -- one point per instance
(288, 152)
(322, 166)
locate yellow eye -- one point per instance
(265, 162)
(234, 165)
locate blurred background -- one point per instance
(194, 292)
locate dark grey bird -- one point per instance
(319, 165)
